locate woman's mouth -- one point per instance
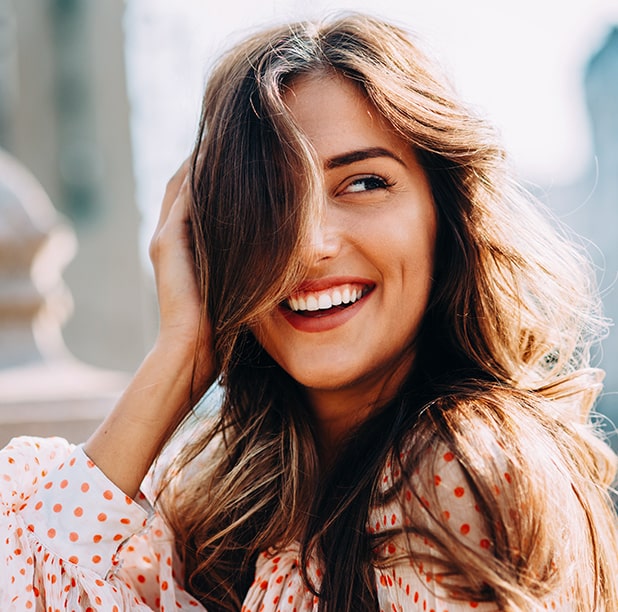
(317, 303)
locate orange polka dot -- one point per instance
(64, 484)
(57, 508)
(74, 559)
(108, 494)
(448, 456)
(96, 538)
(459, 491)
(485, 543)
(38, 505)
(73, 536)
(465, 529)
(85, 487)
(101, 517)
(164, 586)
(51, 533)
(96, 558)
(79, 511)
(437, 480)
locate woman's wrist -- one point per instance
(157, 399)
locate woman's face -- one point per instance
(349, 328)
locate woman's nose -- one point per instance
(323, 240)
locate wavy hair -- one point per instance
(502, 362)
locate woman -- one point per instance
(402, 341)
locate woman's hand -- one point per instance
(180, 304)
(178, 368)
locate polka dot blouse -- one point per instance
(71, 540)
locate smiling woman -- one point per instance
(402, 340)
(371, 248)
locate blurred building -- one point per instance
(64, 124)
(64, 114)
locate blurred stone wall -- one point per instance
(67, 119)
(64, 126)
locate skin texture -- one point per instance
(377, 229)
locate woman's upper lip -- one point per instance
(329, 282)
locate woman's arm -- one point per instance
(160, 394)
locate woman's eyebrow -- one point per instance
(355, 156)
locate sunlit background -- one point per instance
(100, 100)
(521, 62)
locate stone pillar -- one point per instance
(71, 128)
(43, 389)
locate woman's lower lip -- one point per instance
(324, 320)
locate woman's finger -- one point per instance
(172, 190)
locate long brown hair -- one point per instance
(503, 353)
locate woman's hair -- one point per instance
(502, 360)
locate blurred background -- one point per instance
(99, 103)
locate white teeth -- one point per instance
(312, 303)
(326, 299)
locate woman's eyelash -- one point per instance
(368, 183)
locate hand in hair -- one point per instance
(177, 370)
(170, 253)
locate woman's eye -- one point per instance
(366, 183)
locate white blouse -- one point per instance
(71, 540)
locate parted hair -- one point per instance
(502, 370)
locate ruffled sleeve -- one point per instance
(76, 542)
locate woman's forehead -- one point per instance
(336, 117)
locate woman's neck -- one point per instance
(338, 412)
